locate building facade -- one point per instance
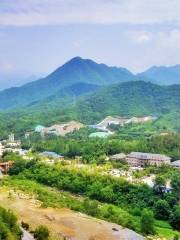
(138, 159)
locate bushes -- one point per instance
(95, 186)
(175, 218)
(58, 199)
(147, 222)
(162, 210)
(25, 225)
(41, 233)
(103, 188)
(9, 228)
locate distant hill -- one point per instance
(135, 98)
(86, 71)
(162, 75)
(75, 71)
(64, 97)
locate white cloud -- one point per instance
(6, 67)
(55, 12)
(170, 39)
(139, 36)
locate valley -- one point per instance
(91, 152)
(89, 120)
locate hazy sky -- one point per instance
(36, 36)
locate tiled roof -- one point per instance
(148, 156)
(176, 163)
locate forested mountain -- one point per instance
(64, 97)
(135, 98)
(86, 71)
(75, 71)
(162, 75)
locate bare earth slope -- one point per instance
(63, 222)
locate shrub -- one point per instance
(147, 222)
(41, 233)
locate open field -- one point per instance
(62, 222)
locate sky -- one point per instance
(37, 36)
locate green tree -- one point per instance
(176, 237)
(175, 183)
(159, 185)
(147, 222)
(162, 209)
(175, 218)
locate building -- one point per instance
(62, 129)
(141, 119)
(176, 164)
(11, 137)
(118, 157)
(1, 175)
(138, 159)
(111, 121)
(15, 144)
(1, 149)
(39, 128)
(5, 166)
(51, 155)
(99, 135)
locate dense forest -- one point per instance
(96, 150)
(135, 98)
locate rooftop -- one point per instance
(51, 154)
(100, 134)
(118, 156)
(148, 156)
(176, 163)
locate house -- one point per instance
(14, 144)
(111, 121)
(139, 159)
(63, 129)
(51, 157)
(141, 119)
(176, 164)
(118, 157)
(39, 128)
(1, 175)
(99, 135)
(5, 166)
(1, 149)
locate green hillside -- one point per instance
(130, 99)
(136, 98)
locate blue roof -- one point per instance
(39, 128)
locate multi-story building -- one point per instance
(139, 159)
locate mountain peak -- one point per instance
(76, 59)
(163, 75)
